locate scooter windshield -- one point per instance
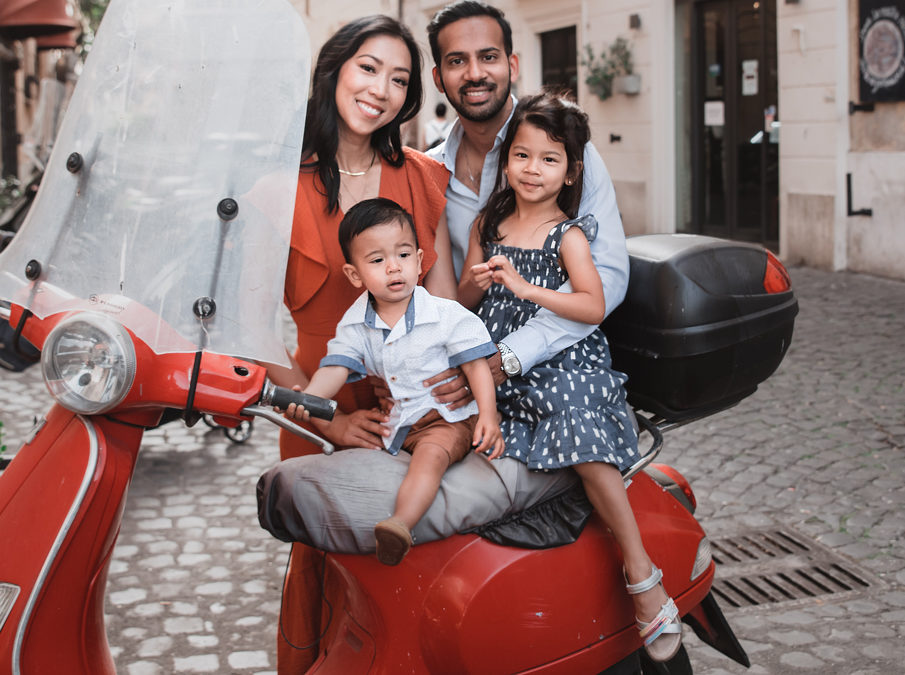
(169, 194)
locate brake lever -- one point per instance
(280, 421)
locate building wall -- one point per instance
(812, 101)
(821, 142)
(876, 160)
(622, 124)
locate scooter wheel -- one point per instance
(679, 664)
(239, 434)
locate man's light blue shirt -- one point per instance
(546, 333)
(435, 334)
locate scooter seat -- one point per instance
(332, 502)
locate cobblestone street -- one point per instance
(818, 451)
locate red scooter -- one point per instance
(539, 591)
(149, 275)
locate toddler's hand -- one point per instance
(488, 439)
(294, 411)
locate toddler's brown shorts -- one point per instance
(453, 437)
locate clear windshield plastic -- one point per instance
(180, 106)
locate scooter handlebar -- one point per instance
(281, 397)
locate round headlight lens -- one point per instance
(88, 362)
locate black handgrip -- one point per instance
(322, 408)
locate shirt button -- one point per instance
(392, 378)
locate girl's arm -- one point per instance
(585, 303)
(475, 272)
(487, 434)
(440, 281)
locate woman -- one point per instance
(367, 83)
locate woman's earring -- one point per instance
(568, 181)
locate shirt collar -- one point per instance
(420, 310)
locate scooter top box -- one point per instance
(698, 329)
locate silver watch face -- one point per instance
(511, 365)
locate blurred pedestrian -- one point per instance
(436, 130)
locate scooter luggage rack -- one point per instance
(656, 426)
(655, 429)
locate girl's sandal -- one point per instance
(662, 636)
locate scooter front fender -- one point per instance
(61, 504)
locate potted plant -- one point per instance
(612, 72)
(599, 77)
(625, 81)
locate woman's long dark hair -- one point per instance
(321, 123)
(565, 123)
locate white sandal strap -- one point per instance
(643, 586)
(666, 621)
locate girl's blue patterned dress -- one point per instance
(571, 408)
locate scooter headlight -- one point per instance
(88, 362)
(702, 559)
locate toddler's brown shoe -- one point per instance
(393, 540)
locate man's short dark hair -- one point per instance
(465, 9)
(369, 213)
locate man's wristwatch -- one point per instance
(511, 364)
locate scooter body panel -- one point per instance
(63, 495)
(466, 605)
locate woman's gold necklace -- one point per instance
(362, 188)
(358, 173)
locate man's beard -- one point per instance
(494, 106)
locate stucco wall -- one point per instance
(621, 125)
(810, 105)
(875, 244)
(821, 142)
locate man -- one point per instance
(474, 67)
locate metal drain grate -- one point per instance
(767, 567)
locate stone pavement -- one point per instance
(818, 450)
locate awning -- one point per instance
(20, 19)
(67, 40)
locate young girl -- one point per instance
(570, 410)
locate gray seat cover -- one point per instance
(332, 502)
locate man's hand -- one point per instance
(359, 429)
(382, 392)
(455, 393)
(496, 368)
